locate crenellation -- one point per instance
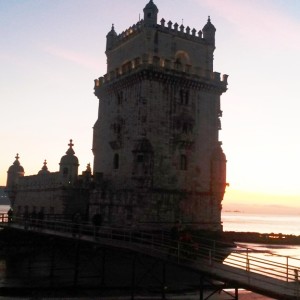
(216, 76)
(174, 29)
(225, 78)
(163, 65)
(40, 180)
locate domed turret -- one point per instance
(150, 14)
(110, 38)
(209, 31)
(14, 172)
(44, 169)
(69, 166)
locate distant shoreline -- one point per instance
(261, 238)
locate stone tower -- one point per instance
(156, 141)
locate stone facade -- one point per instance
(54, 193)
(156, 149)
(157, 154)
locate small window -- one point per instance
(184, 97)
(117, 128)
(120, 98)
(116, 161)
(185, 127)
(149, 15)
(65, 171)
(183, 162)
(140, 158)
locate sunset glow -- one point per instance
(52, 51)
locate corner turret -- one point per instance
(44, 169)
(69, 166)
(209, 31)
(14, 172)
(110, 38)
(150, 14)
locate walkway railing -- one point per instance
(240, 264)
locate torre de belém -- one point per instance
(157, 154)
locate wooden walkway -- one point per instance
(241, 269)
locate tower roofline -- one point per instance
(174, 29)
(196, 74)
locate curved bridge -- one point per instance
(276, 278)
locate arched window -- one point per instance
(65, 171)
(183, 162)
(116, 161)
(184, 97)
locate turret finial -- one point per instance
(70, 151)
(17, 156)
(71, 143)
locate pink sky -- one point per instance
(52, 52)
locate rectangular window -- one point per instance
(183, 162)
(116, 161)
(140, 158)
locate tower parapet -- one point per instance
(183, 32)
(165, 45)
(164, 66)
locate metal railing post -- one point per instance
(287, 269)
(214, 249)
(247, 261)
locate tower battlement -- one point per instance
(165, 66)
(170, 28)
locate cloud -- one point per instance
(258, 21)
(75, 57)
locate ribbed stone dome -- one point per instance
(69, 158)
(16, 167)
(209, 27)
(44, 169)
(151, 6)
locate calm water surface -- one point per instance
(263, 223)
